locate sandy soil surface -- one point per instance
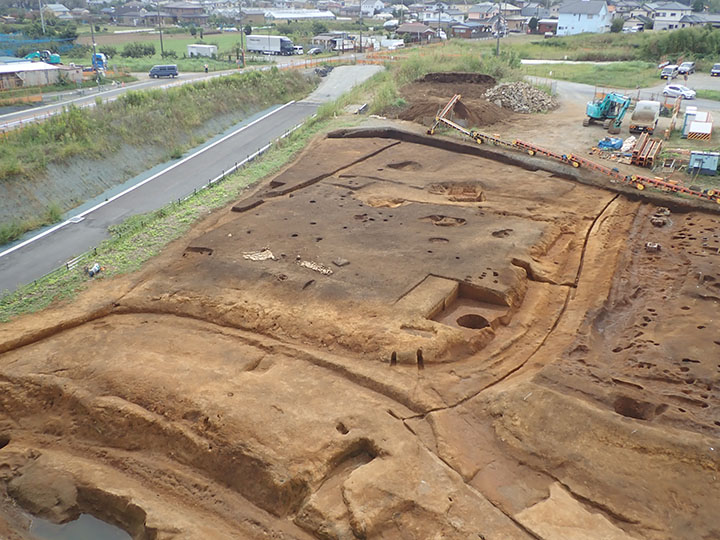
(389, 339)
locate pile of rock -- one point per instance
(520, 97)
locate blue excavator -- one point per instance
(609, 110)
(44, 56)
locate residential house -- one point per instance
(509, 10)
(667, 15)
(468, 30)
(187, 13)
(535, 9)
(583, 16)
(482, 11)
(352, 11)
(152, 18)
(464, 8)
(59, 10)
(515, 23)
(700, 19)
(252, 15)
(329, 41)
(547, 25)
(439, 19)
(130, 18)
(415, 32)
(370, 8)
(80, 14)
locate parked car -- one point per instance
(669, 72)
(314, 50)
(686, 68)
(678, 90)
(715, 71)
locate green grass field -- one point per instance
(616, 75)
(709, 94)
(228, 44)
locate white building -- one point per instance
(583, 16)
(202, 50)
(24, 74)
(277, 15)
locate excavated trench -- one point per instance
(312, 380)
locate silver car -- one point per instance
(687, 68)
(678, 90)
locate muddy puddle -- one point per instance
(86, 527)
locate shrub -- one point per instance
(138, 50)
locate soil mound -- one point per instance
(428, 95)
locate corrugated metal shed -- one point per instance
(704, 162)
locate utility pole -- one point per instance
(440, 10)
(42, 17)
(162, 51)
(361, 25)
(92, 34)
(242, 32)
(499, 20)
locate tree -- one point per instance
(617, 24)
(533, 24)
(319, 28)
(193, 31)
(698, 6)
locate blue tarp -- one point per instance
(610, 143)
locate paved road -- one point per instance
(33, 258)
(582, 93)
(86, 97)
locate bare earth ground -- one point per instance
(261, 378)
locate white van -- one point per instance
(669, 72)
(297, 49)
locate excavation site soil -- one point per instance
(399, 336)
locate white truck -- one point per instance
(645, 117)
(270, 45)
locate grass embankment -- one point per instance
(456, 55)
(708, 94)
(15, 96)
(616, 75)
(161, 118)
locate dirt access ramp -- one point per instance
(387, 339)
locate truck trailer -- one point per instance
(645, 117)
(270, 45)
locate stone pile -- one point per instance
(521, 97)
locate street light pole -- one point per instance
(162, 51)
